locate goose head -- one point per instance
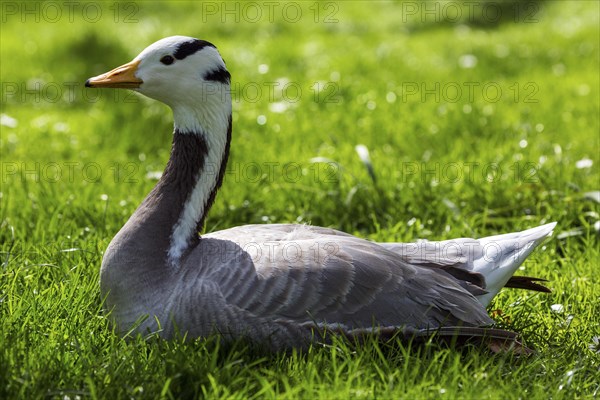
(187, 74)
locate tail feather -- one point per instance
(507, 253)
(482, 266)
(527, 282)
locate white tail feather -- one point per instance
(496, 258)
(503, 254)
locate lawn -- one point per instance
(480, 118)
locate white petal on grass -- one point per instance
(594, 195)
(568, 379)
(467, 61)
(570, 233)
(557, 308)
(363, 153)
(557, 149)
(282, 81)
(278, 107)
(70, 250)
(263, 69)
(365, 157)
(8, 121)
(153, 175)
(325, 160)
(451, 205)
(584, 163)
(61, 127)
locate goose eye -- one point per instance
(167, 60)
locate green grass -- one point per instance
(75, 167)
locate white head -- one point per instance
(185, 73)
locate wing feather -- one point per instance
(332, 278)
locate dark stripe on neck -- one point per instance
(190, 47)
(218, 75)
(188, 155)
(185, 168)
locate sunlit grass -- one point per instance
(75, 166)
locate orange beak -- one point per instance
(120, 77)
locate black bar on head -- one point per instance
(219, 75)
(190, 47)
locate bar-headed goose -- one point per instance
(277, 285)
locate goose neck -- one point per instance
(167, 223)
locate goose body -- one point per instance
(275, 284)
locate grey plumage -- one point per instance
(279, 285)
